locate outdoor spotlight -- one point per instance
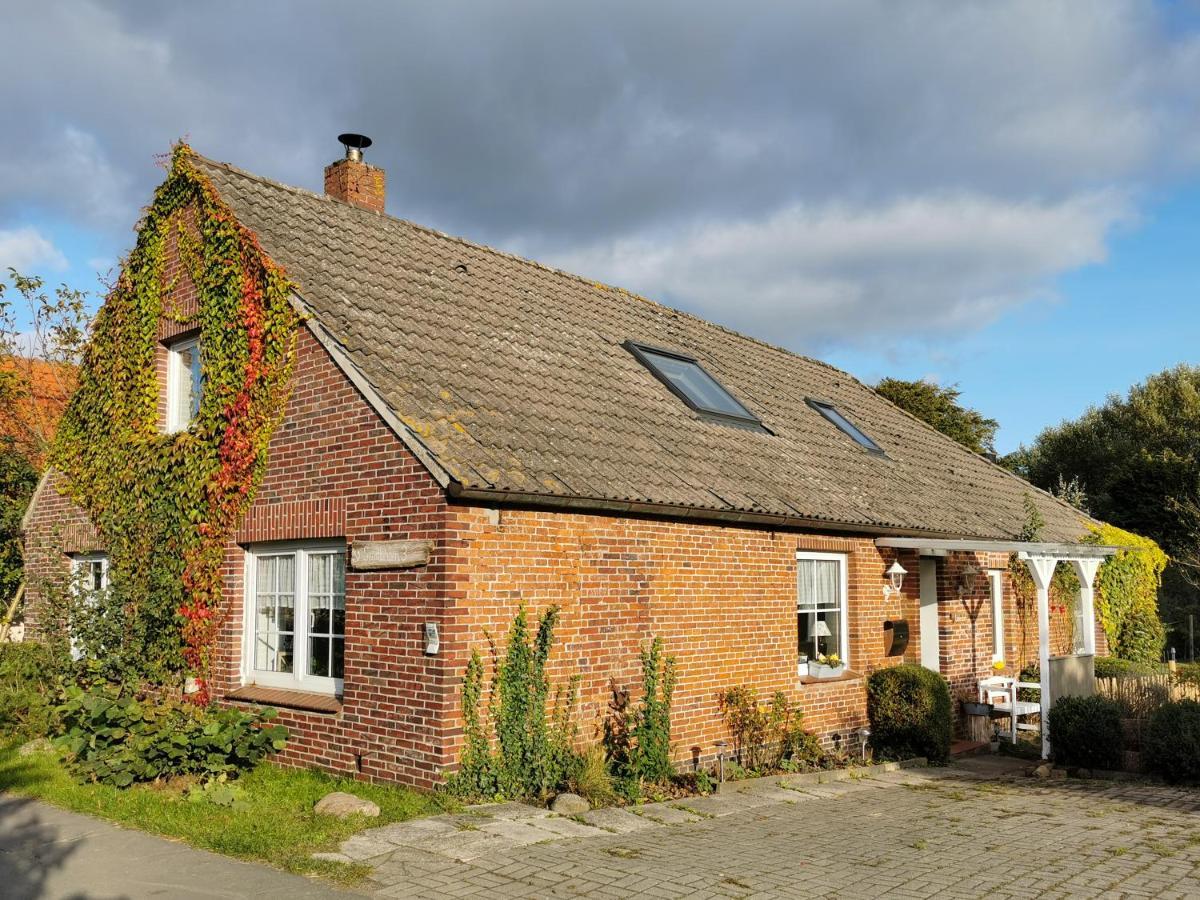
(968, 579)
(864, 735)
(895, 576)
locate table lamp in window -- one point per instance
(820, 630)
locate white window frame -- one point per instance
(844, 600)
(996, 582)
(180, 419)
(79, 563)
(298, 679)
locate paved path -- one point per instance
(975, 830)
(46, 852)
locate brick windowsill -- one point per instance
(310, 702)
(806, 681)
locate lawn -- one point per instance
(272, 822)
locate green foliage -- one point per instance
(1171, 741)
(768, 737)
(1138, 459)
(637, 737)
(1127, 594)
(1115, 667)
(652, 721)
(938, 406)
(113, 737)
(17, 481)
(533, 753)
(1086, 731)
(28, 689)
(166, 504)
(910, 712)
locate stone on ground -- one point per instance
(340, 805)
(37, 745)
(570, 805)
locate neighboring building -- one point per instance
(468, 431)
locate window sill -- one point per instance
(848, 675)
(289, 699)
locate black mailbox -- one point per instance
(895, 637)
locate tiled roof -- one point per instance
(514, 378)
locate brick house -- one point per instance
(468, 431)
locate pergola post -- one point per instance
(1086, 568)
(1042, 570)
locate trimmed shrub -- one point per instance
(1171, 741)
(28, 689)
(911, 714)
(1086, 731)
(116, 738)
(1113, 667)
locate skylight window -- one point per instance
(830, 412)
(686, 378)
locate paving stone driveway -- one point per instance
(974, 830)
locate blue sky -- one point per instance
(1001, 195)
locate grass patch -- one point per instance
(274, 824)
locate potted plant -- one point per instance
(826, 666)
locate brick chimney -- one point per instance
(351, 180)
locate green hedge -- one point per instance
(28, 689)
(1113, 667)
(1171, 741)
(911, 714)
(1086, 731)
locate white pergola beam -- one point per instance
(1042, 570)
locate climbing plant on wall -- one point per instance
(166, 504)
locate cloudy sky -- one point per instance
(1000, 195)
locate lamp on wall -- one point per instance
(968, 579)
(895, 574)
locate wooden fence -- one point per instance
(1142, 694)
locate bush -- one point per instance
(1086, 731)
(768, 736)
(1171, 741)
(113, 737)
(1114, 667)
(1188, 673)
(530, 757)
(911, 714)
(28, 689)
(637, 738)
(591, 779)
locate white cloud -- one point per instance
(807, 275)
(27, 249)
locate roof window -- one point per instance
(831, 412)
(688, 380)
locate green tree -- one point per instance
(1137, 458)
(938, 406)
(17, 481)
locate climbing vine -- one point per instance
(165, 505)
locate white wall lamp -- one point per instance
(895, 581)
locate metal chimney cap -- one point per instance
(355, 144)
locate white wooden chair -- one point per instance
(1001, 694)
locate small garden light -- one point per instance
(864, 735)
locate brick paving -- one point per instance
(973, 830)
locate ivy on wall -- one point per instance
(165, 505)
(1127, 594)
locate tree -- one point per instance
(938, 406)
(38, 366)
(1137, 458)
(37, 378)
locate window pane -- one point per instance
(819, 634)
(818, 583)
(834, 415)
(318, 656)
(195, 382)
(319, 621)
(688, 377)
(338, 670)
(274, 617)
(339, 621)
(285, 654)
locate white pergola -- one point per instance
(1041, 558)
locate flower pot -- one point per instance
(820, 670)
